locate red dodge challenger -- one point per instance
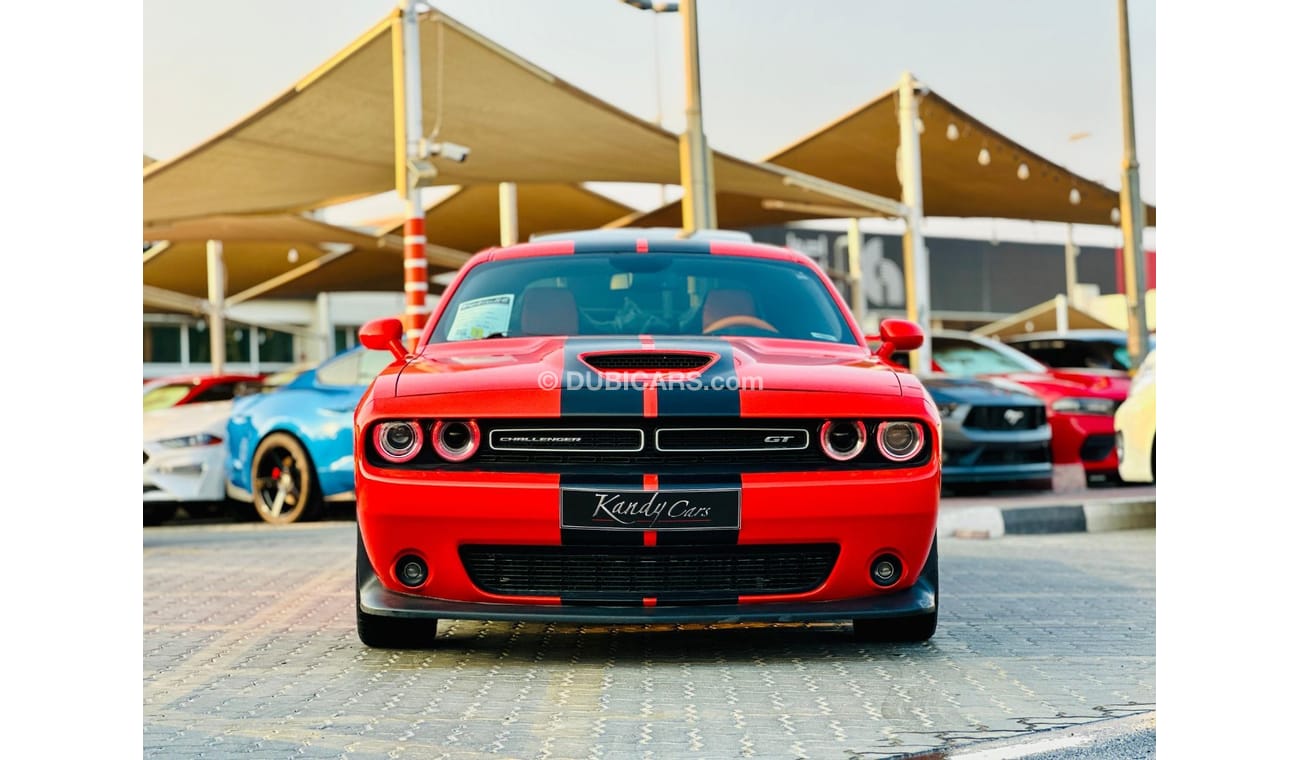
(606, 429)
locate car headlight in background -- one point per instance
(1102, 406)
(189, 441)
(948, 410)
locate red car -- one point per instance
(607, 429)
(164, 392)
(1081, 403)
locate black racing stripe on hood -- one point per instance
(716, 393)
(584, 392)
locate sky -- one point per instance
(772, 71)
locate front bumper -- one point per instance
(433, 514)
(1075, 438)
(192, 474)
(920, 599)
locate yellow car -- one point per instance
(1135, 426)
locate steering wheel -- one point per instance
(740, 319)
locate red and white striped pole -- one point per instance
(415, 258)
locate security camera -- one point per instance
(450, 151)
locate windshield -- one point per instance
(966, 358)
(163, 396)
(640, 294)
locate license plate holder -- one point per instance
(634, 509)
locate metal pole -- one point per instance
(1071, 265)
(217, 307)
(409, 118)
(857, 293)
(916, 260)
(508, 206)
(1133, 212)
(698, 210)
(659, 98)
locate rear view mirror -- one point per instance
(899, 335)
(383, 335)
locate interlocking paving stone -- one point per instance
(250, 651)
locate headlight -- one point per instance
(457, 440)
(189, 441)
(844, 439)
(1103, 406)
(899, 441)
(398, 441)
(948, 410)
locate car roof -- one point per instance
(644, 233)
(643, 240)
(198, 378)
(1089, 334)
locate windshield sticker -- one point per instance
(481, 317)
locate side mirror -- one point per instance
(899, 335)
(384, 335)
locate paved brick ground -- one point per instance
(250, 650)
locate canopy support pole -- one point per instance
(857, 293)
(217, 306)
(409, 122)
(1071, 266)
(698, 207)
(916, 259)
(508, 203)
(1133, 211)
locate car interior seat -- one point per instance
(548, 311)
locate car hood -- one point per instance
(970, 390)
(1062, 383)
(189, 419)
(556, 363)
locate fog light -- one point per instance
(843, 440)
(899, 441)
(455, 441)
(398, 441)
(886, 570)
(412, 571)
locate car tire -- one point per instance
(382, 632)
(911, 629)
(157, 514)
(284, 481)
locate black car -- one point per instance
(995, 434)
(1077, 349)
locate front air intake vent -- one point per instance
(649, 361)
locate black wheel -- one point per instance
(913, 629)
(157, 514)
(284, 481)
(388, 632)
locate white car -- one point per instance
(184, 458)
(1135, 426)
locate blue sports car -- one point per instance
(290, 448)
(995, 434)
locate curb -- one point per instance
(1090, 517)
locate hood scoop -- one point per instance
(649, 361)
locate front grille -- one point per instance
(565, 439)
(667, 444)
(990, 456)
(633, 572)
(1096, 447)
(647, 360)
(1006, 418)
(731, 439)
